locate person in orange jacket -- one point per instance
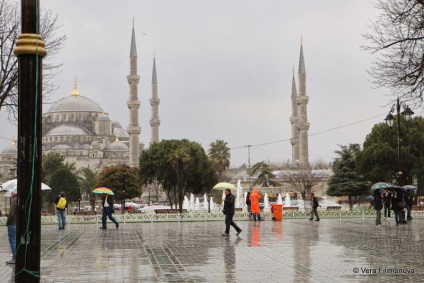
(254, 204)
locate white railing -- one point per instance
(205, 216)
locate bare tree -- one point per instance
(155, 190)
(304, 179)
(9, 30)
(397, 35)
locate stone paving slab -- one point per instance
(350, 250)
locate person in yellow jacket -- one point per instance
(254, 204)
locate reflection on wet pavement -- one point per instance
(351, 250)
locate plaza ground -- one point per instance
(347, 250)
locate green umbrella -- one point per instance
(381, 185)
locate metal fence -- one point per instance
(205, 216)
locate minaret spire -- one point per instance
(294, 120)
(133, 104)
(302, 103)
(154, 102)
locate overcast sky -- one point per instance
(225, 69)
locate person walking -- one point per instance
(387, 200)
(397, 207)
(228, 210)
(314, 203)
(254, 204)
(248, 203)
(107, 203)
(61, 205)
(11, 226)
(409, 201)
(378, 206)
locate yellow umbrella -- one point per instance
(223, 186)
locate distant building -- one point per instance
(80, 130)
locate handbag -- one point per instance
(401, 204)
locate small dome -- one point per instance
(121, 133)
(117, 146)
(103, 117)
(66, 130)
(10, 149)
(116, 124)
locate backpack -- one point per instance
(61, 203)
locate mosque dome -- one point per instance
(65, 130)
(103, 117)
(117, 146)
(10, 149)
(75, 103)
(121, 133)
(116, 124)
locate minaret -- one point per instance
(302, 102)
(133, 104)
(294, 120)
(154, 102)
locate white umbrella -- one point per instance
(11, 184)
(7, 186)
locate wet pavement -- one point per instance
(350, 250)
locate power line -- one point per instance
(313, 134)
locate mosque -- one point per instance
(79, 129)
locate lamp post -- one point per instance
(79, 198)
(407, 114)
(124, 173)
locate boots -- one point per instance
(259, 217)
(254, 217)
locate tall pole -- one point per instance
(30, 51)
(399, 171)
(123, 189)
(79, 198)
(248, 161)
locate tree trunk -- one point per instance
(350, 202)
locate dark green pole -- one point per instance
(30, 51)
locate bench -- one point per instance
(170, 211)
(332, 208)
(290, 208)
(238, 209)
(133, 211)
(417, 207)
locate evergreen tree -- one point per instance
(346, 181)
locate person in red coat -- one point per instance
(254, 204)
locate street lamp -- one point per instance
(407, 114)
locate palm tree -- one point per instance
(265, 175)
(220, 155)
(88, 179)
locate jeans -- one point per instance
(107, 213)
(398, 216)
(387, 210)
(408, 214)
(61, 218)
(229, 222)
(378, 217)
(11, 232)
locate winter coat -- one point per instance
(254, 202)
(229, 204)
(248, 198)
(378, 201)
